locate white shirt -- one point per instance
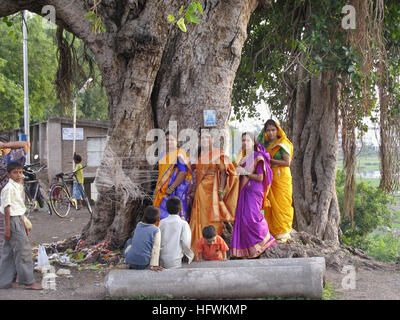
(155, 252)
(176, 238)
(12, 195)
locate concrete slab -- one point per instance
(233, 279)
(256, 263)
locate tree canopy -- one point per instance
(42, 68)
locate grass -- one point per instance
(396, 218)
(384, 246)
(364, 163)
(368, 163)
(373, 182)
(329, 292)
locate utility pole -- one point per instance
(26, 92)
(82, 90)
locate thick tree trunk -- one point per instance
(153, 73)
(198, 67)
(314, 136)
(171, 78)
(129, 79)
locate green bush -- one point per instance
(383, 246)
(370, 211)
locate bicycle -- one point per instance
(61, 197)
(34, 193)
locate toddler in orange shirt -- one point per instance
(211, 246)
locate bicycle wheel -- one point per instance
(60, 200)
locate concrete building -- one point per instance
(52, 141)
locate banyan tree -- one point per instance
(319, 74)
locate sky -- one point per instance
(370, 138)
(250, 124)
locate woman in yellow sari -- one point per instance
(278, 208)
(217, 190)
(174, 178)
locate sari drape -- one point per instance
(207, 209)
(278, 207)
(167, 173)
(251, 236)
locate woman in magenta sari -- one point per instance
(251, 235)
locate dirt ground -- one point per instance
(83, 285)
(89, 284)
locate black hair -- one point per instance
(270, 122)
(77, 158)
(151, 214)
(174, 205)
(14, 165)
(209, 232)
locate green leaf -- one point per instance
(90, 15)
(190, 17)
(199, 7)
(181, 24)
(170, 18)
(181, 10)
(80, 256)
(192, 7)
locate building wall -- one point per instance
(47, 142)
(80, 147)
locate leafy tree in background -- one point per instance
(42, 68)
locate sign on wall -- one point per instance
(210, 118)
(68, 133)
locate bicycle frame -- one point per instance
(32, 189)
(65, 185)
(28, 191)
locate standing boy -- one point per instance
(176, 236)
(77, 189)
(17, 253)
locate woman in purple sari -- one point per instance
(251, 235)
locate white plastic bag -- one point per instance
(43, 259)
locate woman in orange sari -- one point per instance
(279, 211)
(217, 190)
(174, 178)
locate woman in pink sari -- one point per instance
(251, 235)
